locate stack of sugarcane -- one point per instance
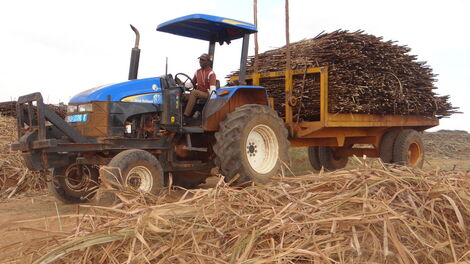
(366, 75)
(9, 108)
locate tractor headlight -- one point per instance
(85, 108)
(71, 108)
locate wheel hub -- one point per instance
(414, 153)
(77, 177)
(252, 149)
(262, 149)
(140, 178)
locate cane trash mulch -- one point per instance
(15, 178)
(363, 215)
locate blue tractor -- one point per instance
(137, 127)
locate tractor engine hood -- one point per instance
(147, 90)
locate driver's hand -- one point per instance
(188, 85)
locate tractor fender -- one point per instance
(227, 99)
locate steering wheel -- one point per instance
(178, 81)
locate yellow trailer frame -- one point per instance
(341, 131)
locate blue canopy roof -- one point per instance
(207, 27)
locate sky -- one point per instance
(61, 48)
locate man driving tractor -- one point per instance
(205, 81)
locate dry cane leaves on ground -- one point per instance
(390, 215)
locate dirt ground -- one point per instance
(37, 215)
(34, 215)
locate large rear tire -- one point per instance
(137, 169)
(329, 160)
(74, 183)
(409, 149)
(252, 143)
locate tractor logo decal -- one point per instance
(150, 98)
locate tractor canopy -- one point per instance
(207, 27)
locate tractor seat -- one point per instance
(201, 101)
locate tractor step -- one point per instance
(192, 130)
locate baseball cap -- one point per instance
(204, 56)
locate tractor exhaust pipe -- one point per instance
(135, 56)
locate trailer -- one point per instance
(337, 136)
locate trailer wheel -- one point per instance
(187, 179)
(386, 145)
(137, 169)
(329, 160)
(313, 158)
(409, 149)
(70, 186)
(252, 143)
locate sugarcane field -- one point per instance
(327, 132)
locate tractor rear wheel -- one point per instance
(74, 183)
(251, 144)
(329, 160)
(137, 169)
(313, 158)
(409, 149)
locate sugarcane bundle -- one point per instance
(9, 108)
(366, 75)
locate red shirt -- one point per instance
(204, 78)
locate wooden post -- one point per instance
(255, 18)
(288, 75)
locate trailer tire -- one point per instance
(251, 144)
(313, 158)
(329, 160)
(136, 168)
(387, 144)
(71, 191)
(187, 179)
(409, 149)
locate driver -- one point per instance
(205, 81)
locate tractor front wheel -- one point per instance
(137, 169)
(74, 183)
